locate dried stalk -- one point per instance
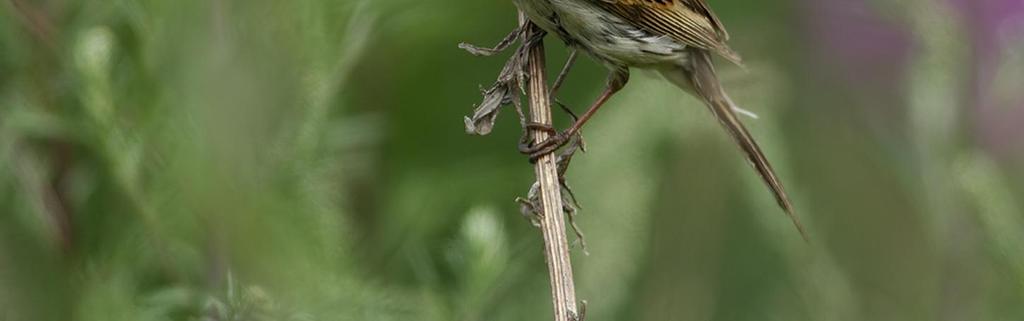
(550, 197)
(552, 221)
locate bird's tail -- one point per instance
(699, 78)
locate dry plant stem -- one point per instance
(556, 246)
(565, 72)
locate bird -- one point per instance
(676, 38)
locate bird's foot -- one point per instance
(555, 140)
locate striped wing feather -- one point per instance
(690, 22)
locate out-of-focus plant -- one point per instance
(303, 160)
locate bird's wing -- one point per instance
(690, 22)
(702, 7)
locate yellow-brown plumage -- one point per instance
(688, 21)
(676, 38)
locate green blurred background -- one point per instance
(306, 160)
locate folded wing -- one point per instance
(690, 22)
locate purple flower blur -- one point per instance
(871, 49)
(998, 121)
(874, 53)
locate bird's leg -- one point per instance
(525, 142)
(616, 81)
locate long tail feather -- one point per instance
(705, 84)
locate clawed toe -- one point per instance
(552, 143)
(535, 151)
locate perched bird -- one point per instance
(674, 37)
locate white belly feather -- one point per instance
(603, 34)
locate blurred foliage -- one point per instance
(306, 160)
